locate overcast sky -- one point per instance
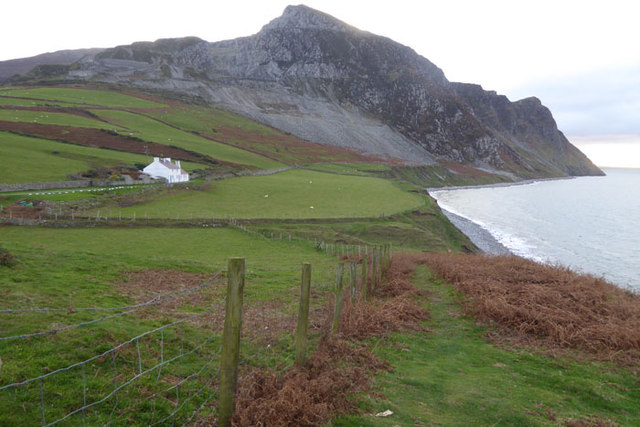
(581, 58)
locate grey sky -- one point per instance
(605, 101)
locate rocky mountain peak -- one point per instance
(316, 77)
(304, 17)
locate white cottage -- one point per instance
(164, 168)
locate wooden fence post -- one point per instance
(379, 265)
(303, 314)
(231, 340)
(352, 280)
(338, 305)
(365, 261)
(374, 268)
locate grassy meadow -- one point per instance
(71, 269)
(51, 118)
(30, 159)
(148, 129)
(89, 97)
(288, 194)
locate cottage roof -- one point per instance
(168, 164)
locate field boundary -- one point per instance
(180, 361)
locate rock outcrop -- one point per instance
(318, 78)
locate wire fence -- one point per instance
(126, 372)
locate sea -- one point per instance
(590, 224)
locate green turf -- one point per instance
(208, 120)
(50, 118)
(423, 229)
(63, 268)
(28, 102)
(107, 252)
(364, 169)
(451, 375)
(81, 96)
(152, 130)
(29, 159)
(289, 194)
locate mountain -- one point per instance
(320, 79)
(14, 67)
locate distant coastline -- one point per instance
(431, 190)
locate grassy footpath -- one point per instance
(453, 376)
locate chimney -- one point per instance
(156, 159)
(178, 164)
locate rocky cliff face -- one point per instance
(314, 76)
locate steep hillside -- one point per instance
(52, 61)
(320, 79)
(51, 123)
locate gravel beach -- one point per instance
(478, 235)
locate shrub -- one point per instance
(6, 258)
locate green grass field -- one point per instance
(29, 102)
(54, 262)
(362, 169)
(207, 120)
(289, 194)
(81, 96)
(76, 268)
(37, 160)
(153, 130)
(50, 118)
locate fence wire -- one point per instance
(158, 299)
(168, 374)
(126, 367)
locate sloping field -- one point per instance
(289, 194)
(101, 138)
(27, 159)
(149, 129)
(50, 118)
(88, 97)
(205, 132)
(241, 132)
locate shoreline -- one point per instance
(431, 190)
(481, 237)
(478, 235)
